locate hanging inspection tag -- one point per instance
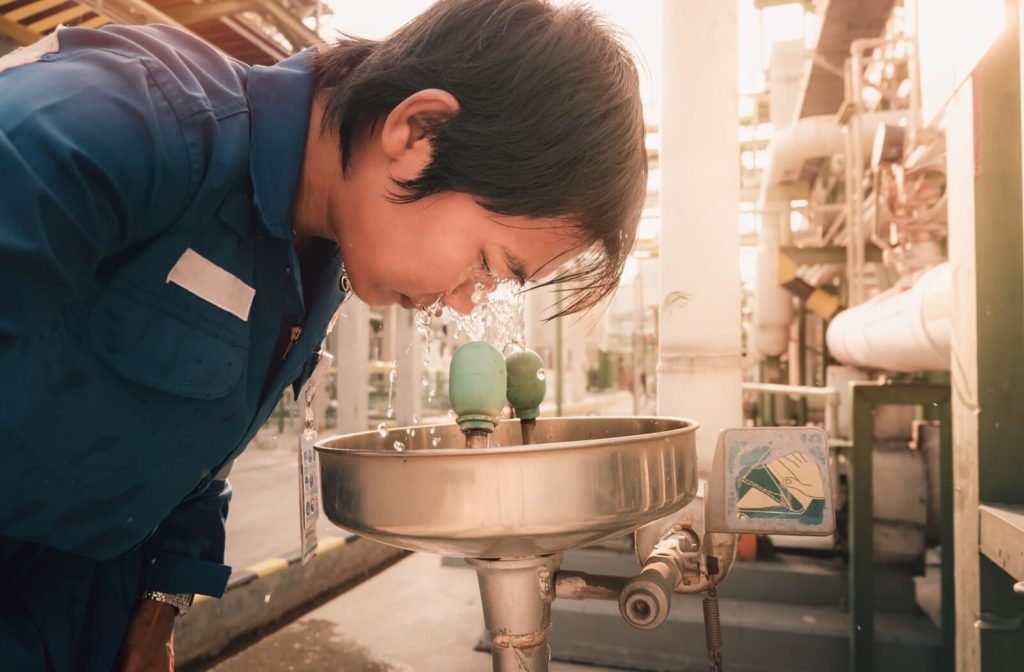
(308, 493)
(309, 465)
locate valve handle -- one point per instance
(476, 386)
(526, 383)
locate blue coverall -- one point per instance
(124, 393)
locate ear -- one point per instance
(404, 134)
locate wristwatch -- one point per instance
(180, 601)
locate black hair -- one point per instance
(550, 123)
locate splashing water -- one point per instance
(382, 429)
(541, 375)
(399, 446)
(434, 441)
(496, 318)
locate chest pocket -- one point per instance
(162, 345)
(173, 318)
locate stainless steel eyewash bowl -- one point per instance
(584, 481)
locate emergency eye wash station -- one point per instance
(510, 497)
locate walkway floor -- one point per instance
(416, 616)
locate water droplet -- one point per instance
(399, 446)
(432, 430)
(382, 429)
(434, 441)
(415, 419)
(426, 380)
(393, 376)
(391, 411)
(451, 414)
(541, 375)
(266, 598)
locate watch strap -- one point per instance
(180, 601)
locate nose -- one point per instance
(460, 299)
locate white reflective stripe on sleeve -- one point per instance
(31, 53)
(200, 276)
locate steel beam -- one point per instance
(290, 25)
(54, 20)
(835, 254)
(208, 11)
(999, 325)
(17, 32)
(867, 396)
(32, 9)
(1002, 537)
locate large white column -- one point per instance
(699, 334)
(351, 350)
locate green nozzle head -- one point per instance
(526, 384)
(476, 386)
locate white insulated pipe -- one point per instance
(903, 329)
(773, 304)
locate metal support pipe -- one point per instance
(855, 168)
(830, 394)
(516, 596)
(802, 360)
(798, 390)
(583, 586)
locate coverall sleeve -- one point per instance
(93, 160)
(186, 553)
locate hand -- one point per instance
(800, 476)
(148, 644)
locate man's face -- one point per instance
(438, 247)
(441, 246)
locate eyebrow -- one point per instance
(515, 265)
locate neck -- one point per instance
(321, 171)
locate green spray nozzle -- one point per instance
(477, 383)
(526, 384)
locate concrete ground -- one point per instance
(416, 616)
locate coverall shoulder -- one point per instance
(151, 314)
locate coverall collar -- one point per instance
(280, 97)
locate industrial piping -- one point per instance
(906, 328)
(793, 145)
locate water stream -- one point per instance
(496, 318)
